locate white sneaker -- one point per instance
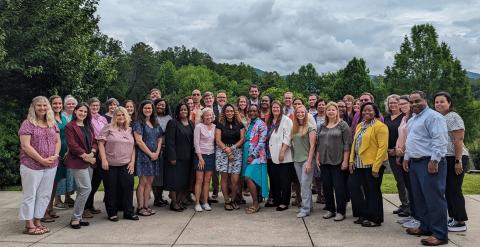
(198, 208)
(328, 215)
(302, 215)
(411, 224)
(206, 207)
(339, 217)
(454, 226)
(403, 220)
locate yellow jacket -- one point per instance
(374, 146)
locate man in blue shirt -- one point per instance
(426, 147)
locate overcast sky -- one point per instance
(283, 35)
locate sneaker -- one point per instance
(450, 221)
(339, 217)
(206, 207)
(411, 224)
(328, 215)
(302, 215)
(198, 208)
(404, 219)
(457, 227)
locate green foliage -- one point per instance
(424, 64)
(9, 143)
(354, 79)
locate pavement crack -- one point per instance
(185, 227)
(308, 232)
(384, 198)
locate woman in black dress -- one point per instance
(178, 156)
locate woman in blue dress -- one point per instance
(148, 137)
(255, 158)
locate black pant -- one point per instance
(408, 186)
(281, 180)
(453, 190)
(366, 203)
(334, 179)
(271, 177)
(118, 183)
(96, 181)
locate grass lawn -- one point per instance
(471, 184)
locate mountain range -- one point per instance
(470, 75)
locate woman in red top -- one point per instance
(80, 158)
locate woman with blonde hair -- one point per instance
(303, 143)
(333, 150)
(204, 143)
(39, 153)
(117, 153)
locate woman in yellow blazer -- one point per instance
(368, 153)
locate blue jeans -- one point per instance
(428, 192)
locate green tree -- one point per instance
(425, 64)
(166, 78)
(143, 71)
(305, 80)
(354, 79)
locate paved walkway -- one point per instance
(222, 228)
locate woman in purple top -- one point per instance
(40, 148)
(117, 153)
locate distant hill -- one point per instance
(473, 75)
(470, 75)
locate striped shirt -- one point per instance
(358, 143)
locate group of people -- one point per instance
(259, 147)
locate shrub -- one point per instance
(9, 150)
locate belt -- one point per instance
(421, 158)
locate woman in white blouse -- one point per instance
(279, 146)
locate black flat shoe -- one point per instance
(359, 220)
(131, 217)
(75, 226)
(269, 205)
(113, 218)
(397, 211)
(176, 209)
(84, 223)
(280, 208)
(367, 223)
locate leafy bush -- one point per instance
(474, 149)
(9, 150)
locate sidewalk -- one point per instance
(222, 228)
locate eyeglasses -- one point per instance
(364, 100)
(195, 94)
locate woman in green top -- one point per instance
(303, 143)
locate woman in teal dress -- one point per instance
(255, 158)
(64, 178)
(61, 121)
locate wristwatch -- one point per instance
(435, 162)
(458, 161)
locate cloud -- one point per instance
(283, 35)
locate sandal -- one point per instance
(151, 211)
(252, 209)
(70, 202)
(235, 206)
(43, 228)
(60, 205)
(47, 219)
(143, 212)
(52, 214)
(33, 231)
(77, 224)
(228, 205)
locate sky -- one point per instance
(284, 35)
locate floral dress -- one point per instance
(254, 146)
(144, 166)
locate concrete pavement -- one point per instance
(222, 228)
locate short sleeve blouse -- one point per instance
(454, 122)
(43, 140)
(230, 132)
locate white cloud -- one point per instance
(283, 35)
